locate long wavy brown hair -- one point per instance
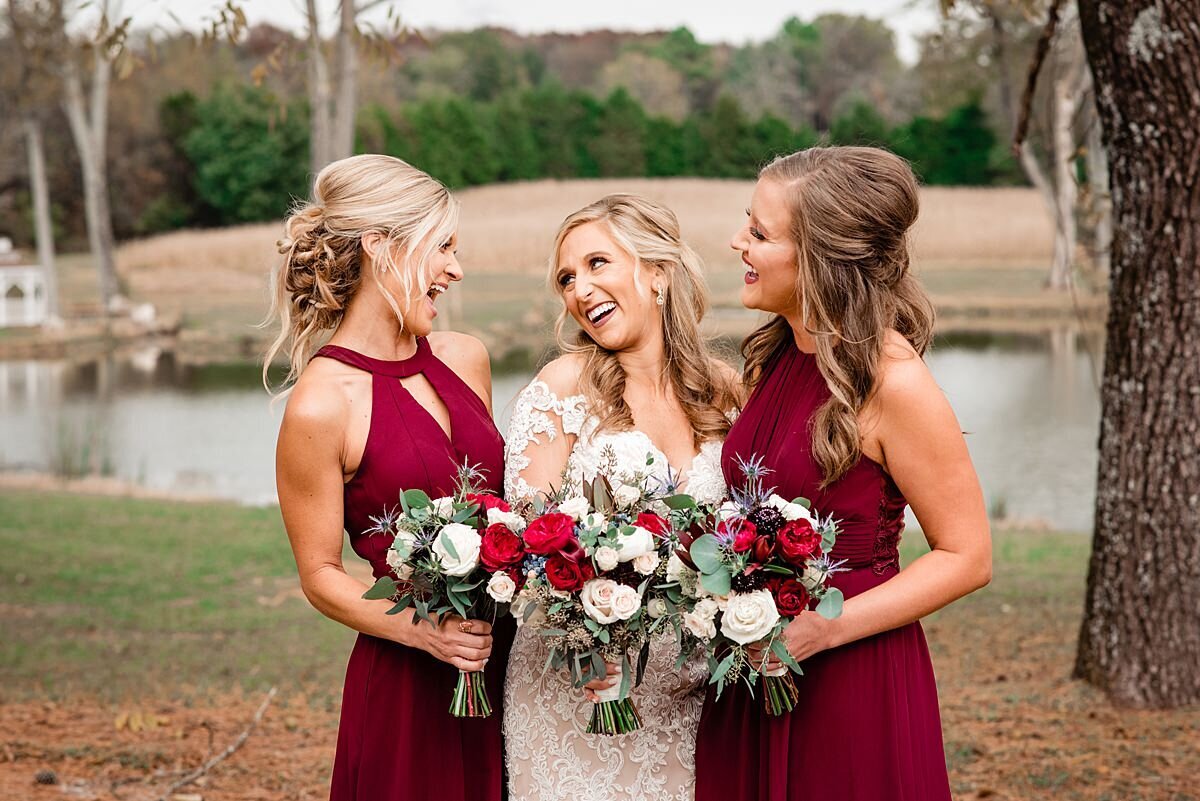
(851, 209)
(649, 233)
(323, 261)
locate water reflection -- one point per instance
(1029, 405)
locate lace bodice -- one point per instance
(540, 418)
(549, 755)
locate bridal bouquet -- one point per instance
(765, 561)
(596, 586)
(457, 554)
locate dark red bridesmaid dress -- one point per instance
(397, 740)
(867, 726)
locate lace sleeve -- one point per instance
(539, 441)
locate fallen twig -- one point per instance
(234, 746)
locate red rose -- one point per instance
(790, 596)
(742, 532)
(488, 501)
(798, 541)
(653, 523)
(567, 576)
(549, 533)
(501, 548)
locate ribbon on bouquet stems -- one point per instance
(614, 713)
(470, 698)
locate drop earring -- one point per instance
(662, 297)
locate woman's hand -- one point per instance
(611, 677)
(465, 644)
(807, 634)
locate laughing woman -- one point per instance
(386, 406)
(845, 412)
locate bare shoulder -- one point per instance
(318, 404)
(562, 374)
(902, 375)
(460, 351)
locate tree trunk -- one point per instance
(89, 133)
(346, 103)
(1100, 198)
(1069, 84)
(42, 227)
(1140, 637)
(318, 94)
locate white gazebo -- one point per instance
(22, 289)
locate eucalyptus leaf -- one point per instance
(383, 588)
(643, 659)
(626, 676)
(716, 583)
(805, 502)
(448, 545)
(404, 603)
(722, 668)
(680, 502)
(831, 605)
(416, 499)
(706, 554)
(462, 515)
(781, 652)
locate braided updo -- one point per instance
(323, 264)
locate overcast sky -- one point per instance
(733, 21)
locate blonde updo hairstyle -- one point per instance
(851, 209)
(323, 257)
(649, 233)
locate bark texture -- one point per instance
(1140, 638)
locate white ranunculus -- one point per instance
(606, 557)
(576, 507)
(813, 578)
(626, 601)
(398, 562)
(647, 563)
(701, 620)
(465, 541)
(512, 520)
(656, 608)
(443, 507)
(626, 495)
(687, 579)
(501, 587)
(749, 616)
(789, 510)
(635, 543)
(597, 598)
(522, 602)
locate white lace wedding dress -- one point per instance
(548, 754)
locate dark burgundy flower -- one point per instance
(549, 533)
(500, 548)
(799, 541)
(790, 596)
(565, 575)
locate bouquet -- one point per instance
(458, 554)
(596, 572)
(765, 561)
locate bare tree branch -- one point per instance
(1039, 56)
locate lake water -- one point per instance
(1029, 406)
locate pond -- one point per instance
(1029, 406)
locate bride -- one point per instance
(638, 389)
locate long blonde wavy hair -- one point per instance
(649, 233)
(324, 263)
(851, 209)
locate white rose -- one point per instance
(443, 507)
(656, 608)
(501, 587)
(749, 616)
(597, 598)
(790, 511)
(595, 520)
(606, 557)
(520, 604)
(465, 541)
(626, 495)
(576, 507)
(646, 563)
(813, 578)
(634, 544)
(701, 620)
(512, 520)
(626, 601)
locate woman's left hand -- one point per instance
(807, 634)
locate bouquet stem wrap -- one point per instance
(470, 696)
(779, 692)
(613, 714)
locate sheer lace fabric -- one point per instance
(548, 753)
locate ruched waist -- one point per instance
(858, 580)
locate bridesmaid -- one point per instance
(387, 406)
(846, 413)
